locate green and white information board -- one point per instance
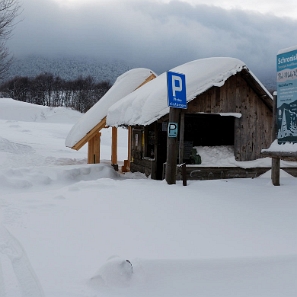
(287, 95)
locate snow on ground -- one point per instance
(223, 156)
(68, 228)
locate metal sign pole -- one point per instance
(177, 100)
(171, 162)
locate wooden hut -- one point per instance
(227, 105)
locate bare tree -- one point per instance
(8, 11)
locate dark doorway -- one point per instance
(209, 129)
(161, 149)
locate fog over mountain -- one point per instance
(70, 68)
(154, 34)
(67, 68)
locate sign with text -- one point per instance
(176, 88)
(287, 96)
(172, 129)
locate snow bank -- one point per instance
(283, 174)
(53, 177)
(207, 278)
(124, 85)
(116, 272)
(13, 110)
(223, 156)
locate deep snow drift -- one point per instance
(68, 228)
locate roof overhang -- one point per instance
(90, 135)
(102, 123)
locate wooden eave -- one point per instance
(151, 77)
(90, 134)
(102, 123)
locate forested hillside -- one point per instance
(68, 68)
(77, 82)
(49, 90)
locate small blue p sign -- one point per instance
(176, 88)
(172, 129)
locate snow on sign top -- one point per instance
(286, 50)
(149, 103)
(124, 85)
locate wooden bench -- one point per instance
(276, 156)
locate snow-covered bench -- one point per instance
(277, 152)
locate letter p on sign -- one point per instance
(172, 129)
(176, 84)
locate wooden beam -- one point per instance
(94, 149)
(279, 154)
(114, 146)
(91, 151)
(275, 171)
(129, 143)
(90, 135)
(151, 77)
(97, 147)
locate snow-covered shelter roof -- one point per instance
(149, 103)
(124, 85)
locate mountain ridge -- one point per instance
(68, 68)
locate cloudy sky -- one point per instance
(158, 34)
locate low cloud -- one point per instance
(152, 34)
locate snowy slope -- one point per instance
(25, 112)
(67, 228)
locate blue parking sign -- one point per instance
(176, 88)
(172, 129)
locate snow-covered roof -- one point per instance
(149, 103)
(124, 85)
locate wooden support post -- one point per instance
(126, 166)
(184, 174)
(91, 151)
(114, 147)
(171, 163)
(274, 124)
(275, 161)
(181, 137)
(275, 171)
(129, 143)
(94, 149)
(97, 147)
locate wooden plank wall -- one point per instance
(252, 131)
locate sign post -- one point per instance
(286, 113)
(177, 99)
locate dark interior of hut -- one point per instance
(209, 129)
